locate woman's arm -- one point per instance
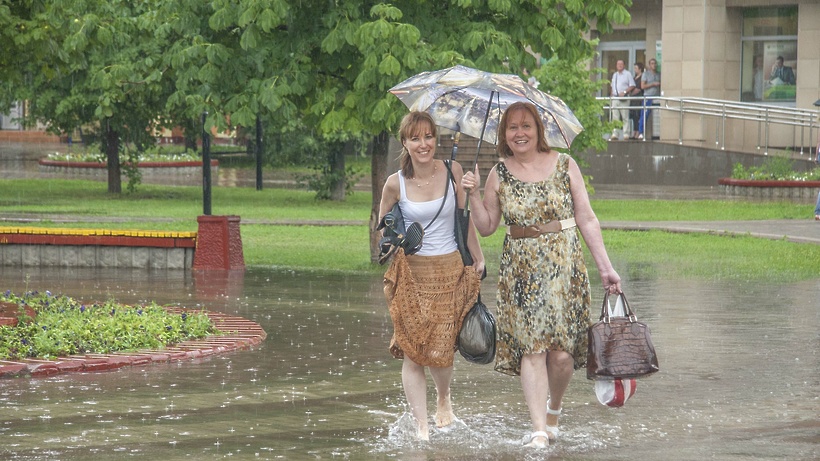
(486, 213)
(390, 195)
(591, 229)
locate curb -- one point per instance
(241, 334)
(807, 232)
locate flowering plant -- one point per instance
(64, 326)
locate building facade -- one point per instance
(762, 52)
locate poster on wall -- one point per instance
(780, 65)
(658, 53)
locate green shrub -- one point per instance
(774, 168)
(64, 326)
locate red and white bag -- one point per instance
(616, 392)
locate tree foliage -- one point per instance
(307, 68)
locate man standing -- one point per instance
(651, 84)
(622, 83)
(785, 74)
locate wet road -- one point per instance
(739, 379)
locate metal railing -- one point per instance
(720, 110)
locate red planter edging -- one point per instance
(59, 163)
(761, 183)
(9, 313)
(219, 243)
(240, 334)
(99, 240)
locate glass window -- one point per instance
(769, 54)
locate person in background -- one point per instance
(620, 86)
(651, 84)
(428, 293)
(817, 209)
(543, 295)
(784, 73)
(757, 78)
(817, 160)
(634, 104)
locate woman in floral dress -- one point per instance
(543, 287)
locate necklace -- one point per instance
(418, 182)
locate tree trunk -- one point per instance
(190, 133)
(112, 157)
(378, 176)
(337, 172)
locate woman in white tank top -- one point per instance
(429, 292)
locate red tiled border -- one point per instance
(766, 183)
(240, 334)
(153, 242)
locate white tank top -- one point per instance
(439, 238)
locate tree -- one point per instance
(96, 67)
(385, 44)
(330, 64)
(326, 65)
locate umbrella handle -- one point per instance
(478, 147)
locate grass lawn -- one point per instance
(270, 238)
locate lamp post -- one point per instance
(258, 153)
(206, 168)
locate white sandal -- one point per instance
(529, 440)
(553, 430)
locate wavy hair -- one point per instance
(411, 125)
(503, 148)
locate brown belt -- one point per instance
(520, 232)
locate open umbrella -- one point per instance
(471, 101)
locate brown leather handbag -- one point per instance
(620, 346)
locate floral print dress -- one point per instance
(543, 287)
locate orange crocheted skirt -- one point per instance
(428, 297)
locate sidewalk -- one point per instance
(791, 230)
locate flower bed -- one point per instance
(98, 169)
(59, 334)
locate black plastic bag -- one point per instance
(476, 340)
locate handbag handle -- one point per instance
(627, 309)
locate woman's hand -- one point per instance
(470, 182)
(479, 267)
(611, 281)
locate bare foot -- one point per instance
(423, 434)
(444, 412)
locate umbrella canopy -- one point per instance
(471, 101)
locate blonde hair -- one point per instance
(503, 148)
(412, 124)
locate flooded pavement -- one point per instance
(739, 379)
